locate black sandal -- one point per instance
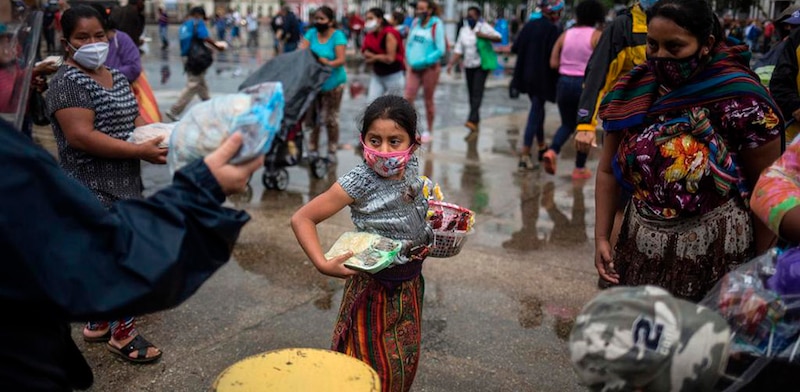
(138, 344)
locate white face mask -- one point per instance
(91, 56)
(371, 25)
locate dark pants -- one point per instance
(476, 82)
(289, 47)
(535, 125)
(568, 94)
(50, 39)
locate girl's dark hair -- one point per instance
(328, 12)
(107, 23)
(71, 17)
(379, 14)
(391, 107)
(590, 13)
(476, 9)
(696, 16)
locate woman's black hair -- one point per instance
(590, 13)
(328, 12)
(391, 107)
(71, 17)
(476, 9)
(696, 16)
(378, 14)
(107, 23)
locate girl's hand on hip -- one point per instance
(584, 141)
(335, 267)
(604, 262)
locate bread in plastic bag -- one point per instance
(152, 131)
(256, 113)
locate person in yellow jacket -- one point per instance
(621, 47)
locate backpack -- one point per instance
(199, 57)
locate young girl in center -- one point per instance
(381, 314)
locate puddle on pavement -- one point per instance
(267, 247)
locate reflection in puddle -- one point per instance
(527, 238)
(566, 231)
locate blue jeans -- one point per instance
(568, 94)
(535, 125)
(393, 84)
(162, 31)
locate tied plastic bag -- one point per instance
(765, 322)
(256, 113)
(152, 131)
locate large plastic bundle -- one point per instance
(761, 301)
(256, 113)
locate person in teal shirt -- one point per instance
(329, 44)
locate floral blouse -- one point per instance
(677, 172)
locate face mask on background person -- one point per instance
(422, 15)
(91, 56)
(321, 27)
(472, 22)
(371, 25)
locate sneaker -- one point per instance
(525, 163)
(332, 157)
(171, 116)
(426, 137)
(581, 174)
(549, 161)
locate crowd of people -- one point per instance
(692, 179)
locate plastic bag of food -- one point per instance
(256, 113)
(765, 322)
(371, 252)
(152, 131)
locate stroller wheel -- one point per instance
(281, 179)
(268, 179)
(319, 167)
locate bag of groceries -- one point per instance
(256, 113)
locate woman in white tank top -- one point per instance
(570, 55)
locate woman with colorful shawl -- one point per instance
(688, 133)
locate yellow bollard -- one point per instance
(298, 370)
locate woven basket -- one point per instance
(448, 243)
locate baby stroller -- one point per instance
(302, 77)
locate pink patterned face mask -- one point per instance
(387, 164)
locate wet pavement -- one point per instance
(496, 316)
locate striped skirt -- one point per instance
(382, 328)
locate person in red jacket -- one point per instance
(356, 27)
